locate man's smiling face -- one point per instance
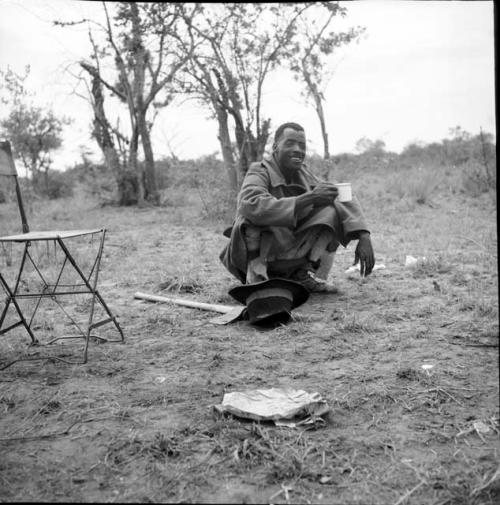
(290, 151)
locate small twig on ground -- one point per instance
(493, 421)
(462, 389)
(437, 390)
(275, 495)
(450, 395)
(477, 490)
(284, 489)
(37, 413)
(478, 433)
(446, 324)
(473, 241)
(465, 432)
(206, 458)
(38, 358)
(473, 345)
(56, 434)
(416, 470)
(410, 492)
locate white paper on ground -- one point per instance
(357, 267)
(411, 261)
(284, 406)
(481, 427)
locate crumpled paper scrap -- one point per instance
(481, 427)
(284, 406)
(411, 261)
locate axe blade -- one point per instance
(234, 314)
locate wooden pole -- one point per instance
(224, 309)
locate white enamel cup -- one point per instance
(345, 192)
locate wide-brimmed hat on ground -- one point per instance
(270, 301)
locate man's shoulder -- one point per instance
(256, 175)
(256, 166)
(259, 169)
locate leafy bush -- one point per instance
(218, 202)
(8, 189)
(418, 184)
(57, 185)
(201, 182)
(60, 185)
(97, 182)
(175, 173)
(418, 153)
(477, 179)
(459, 149)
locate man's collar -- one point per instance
(275, 176)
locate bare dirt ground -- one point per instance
(135, 424)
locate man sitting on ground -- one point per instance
(289, 224)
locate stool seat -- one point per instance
(48, 235)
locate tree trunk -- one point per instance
(227, 152)
(225, 100)
(139, 114)
(46, 180)
(261, 140)
(315, 93)
(242, 142)
(125, 180)
(324, 134)
(251, 148)
(150, 186)
(135, 167)
(319, 110)
(126, 187)
(35, 179)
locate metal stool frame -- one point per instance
(52, 291)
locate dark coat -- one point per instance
(266, 200)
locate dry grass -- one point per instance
(136, 423)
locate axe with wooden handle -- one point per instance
(230, 312)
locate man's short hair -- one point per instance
(283, 127)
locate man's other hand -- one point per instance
(364, 254)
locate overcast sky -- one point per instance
(421, 68)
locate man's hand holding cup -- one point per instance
(324, 194)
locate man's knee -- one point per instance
(324, 241)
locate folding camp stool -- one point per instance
(87, 284)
